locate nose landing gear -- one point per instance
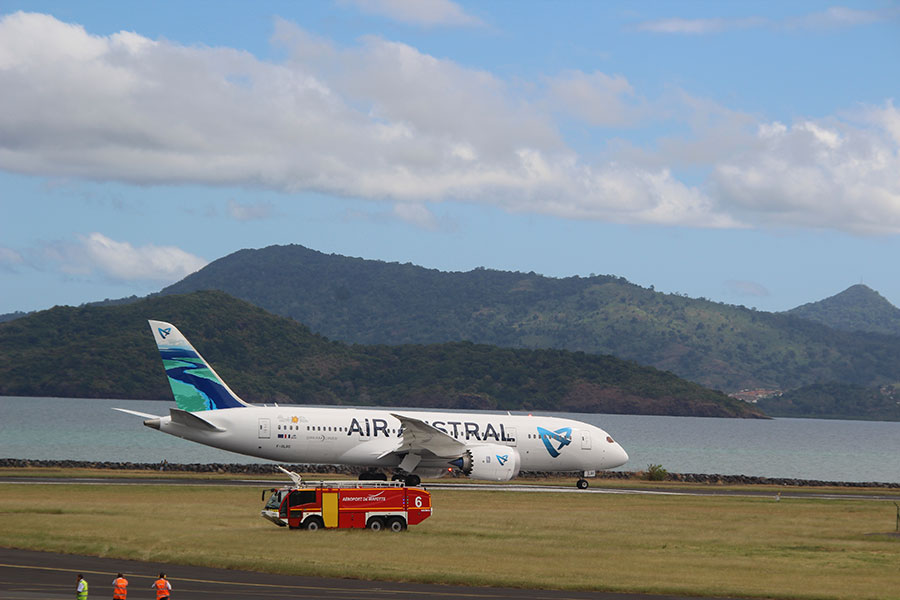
(582, 483)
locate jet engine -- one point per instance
(491, 462)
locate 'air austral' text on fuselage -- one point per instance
(466, 429)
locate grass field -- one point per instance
(698, 545)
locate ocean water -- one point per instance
(88, 429)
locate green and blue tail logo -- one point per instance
(195, 385)
(562, 437)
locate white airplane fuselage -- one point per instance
(365, 437)
(482, 446)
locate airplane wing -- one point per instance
(419, 436)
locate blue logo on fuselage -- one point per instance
(563, 437)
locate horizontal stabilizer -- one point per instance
(136, 413)
(189, 419)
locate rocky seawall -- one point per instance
(267, 469)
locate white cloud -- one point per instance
(251, 211)
(417, 12)
(831, 18)
(380, 120)
(383, 121)
(681, 26)
(596, 98)
(97, 254)
(416, 214)
(9, 258)
(749, 289)
(841, 16)
(836, 174)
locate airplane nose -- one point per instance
(623, 456)
(615, 456)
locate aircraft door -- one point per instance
(585, 440)
(265, 430)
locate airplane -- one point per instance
(414, 444)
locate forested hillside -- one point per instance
(858, 308)
(721, 346)
(109, 352)
(836, 401)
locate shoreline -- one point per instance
(271, 469)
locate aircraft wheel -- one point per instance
(396, 524)
(314, 524)
(413, 480)
(582, 484)
(375, 524)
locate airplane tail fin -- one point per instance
(195, 385)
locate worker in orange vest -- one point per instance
(120, 587)
(163, 587)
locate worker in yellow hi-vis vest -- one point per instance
(81, 588)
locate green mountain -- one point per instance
(858, 308)
(721, 346)
(836, 401)
(107, 351)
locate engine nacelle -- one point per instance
(490, 462)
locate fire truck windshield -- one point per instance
(274, 500)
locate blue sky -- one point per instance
(744, 152)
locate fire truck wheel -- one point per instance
(313, 524)
(375, 524)
(396, 524)
(582, 484)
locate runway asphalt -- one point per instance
(794, 492)
(28, 575)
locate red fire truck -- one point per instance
(375, 505)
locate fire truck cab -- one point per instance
(375, 505)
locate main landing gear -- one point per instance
(372, 476)
(410, 479)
